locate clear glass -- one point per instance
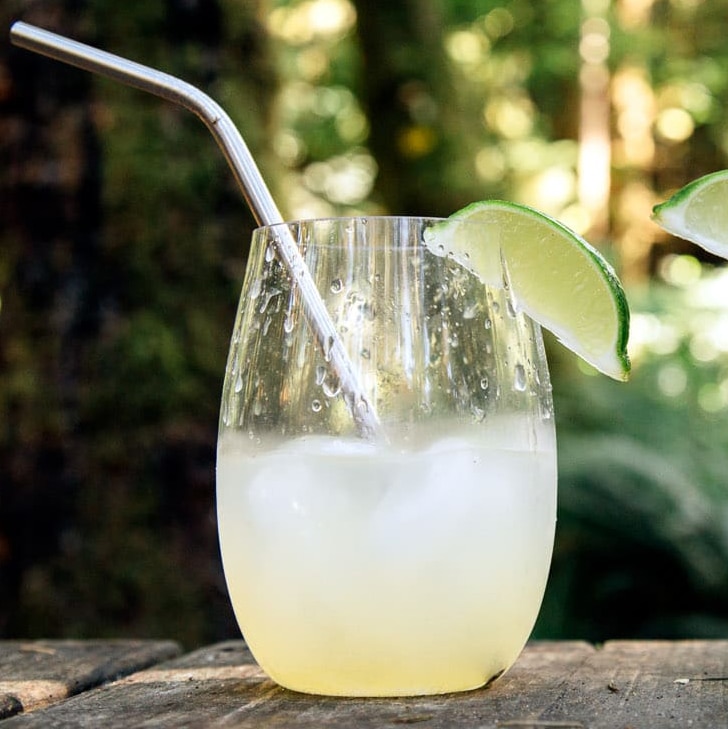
(415, 562)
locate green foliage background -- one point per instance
(123, 242)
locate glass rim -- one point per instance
(345, 218)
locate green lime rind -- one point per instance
(698, 213)
(554, 275)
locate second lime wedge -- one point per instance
(554, 276)
(698, 212)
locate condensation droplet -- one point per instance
(288, 323)
(257, 407)
(328, 345)
(255, 288)
(331, 386)
(270, 252)
(316, 406)
(270, 295)
(519, 378)
(470, 312)
(488, 323)
(320, 374)
(239, 383)
(337, 286)
(484, 383)
(365, 354)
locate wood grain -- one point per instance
(34, 674)
(554, 685)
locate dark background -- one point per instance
(123, 242)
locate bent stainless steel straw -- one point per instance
(246, 173)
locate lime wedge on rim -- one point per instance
(698, 212)
(554, 276)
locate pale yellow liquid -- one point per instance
(365, 572)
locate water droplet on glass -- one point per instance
(320, 374)
(316, 406)
(271, 294)
(270, 252)
(519, 378)
(255, 288)
(484, 383)
(470, 312)
(288, 323)
(496, 307)
(365, 354)
(328, 345)
(331, 387)
(239, 383)
(266, 325)
(488, 324)
(510, 308)
(336, 286)
(257, 407)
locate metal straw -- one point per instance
(246, 173)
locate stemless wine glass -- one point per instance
(409, 562)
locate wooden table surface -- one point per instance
(554, 685)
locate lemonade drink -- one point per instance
(411, 560)
(364, 570)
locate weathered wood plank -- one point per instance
(222, 686)
(650, 684)
(34, 674)
(569, 685)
